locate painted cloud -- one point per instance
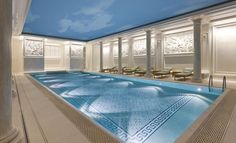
(90, 19)
(98, 18)
(32, 17)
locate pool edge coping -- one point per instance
(43, 87)
(199, 122)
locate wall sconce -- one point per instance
(21, 37)
(158, 41)
(205, 35)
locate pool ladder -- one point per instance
(224, 84)
(210, 83)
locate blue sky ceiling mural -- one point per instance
(90, 19)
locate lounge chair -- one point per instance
(129, 71)
(110, 69)
(123, 69)
(162, 73)
(106, 70)
(155, 71)
(115, 70)
(186, 73)
(142, 72)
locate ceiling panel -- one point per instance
(91, 19)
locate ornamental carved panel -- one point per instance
(77, 51)
(33, 48)
(139, 47)
(178, 43)
(125, 50)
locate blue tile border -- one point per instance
(148, 129)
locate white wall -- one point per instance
(95, 58)
(54, 57)
(89, 57)
(67, 56)
(17, 55)
(205, 49)
(224, 47)
(106, 56)
(218, 51)
(177, 61)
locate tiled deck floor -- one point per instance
(45, 123)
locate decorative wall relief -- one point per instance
(33, 48)
(139, 47)
(77, 51)
(153, 46)
(178, 43)
(125, 50)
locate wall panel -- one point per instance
(33, 55)
(77, 61)
(225, 49)
(178, 49)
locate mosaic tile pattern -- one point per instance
(131, 110)
(147, 130)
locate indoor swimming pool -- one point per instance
(132, 109)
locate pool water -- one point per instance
(134, 110)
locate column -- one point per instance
(148, 48)
(197, 49)
(210, 51)
(155, 53)
(119, 55)
(84, 58)
(111, 54)
(130, 53)
(205, 48)
(159, 52)
(101, 56)
(7, 132)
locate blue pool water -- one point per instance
(134, 110)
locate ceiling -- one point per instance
(90, 19)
